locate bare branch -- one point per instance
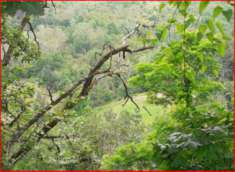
(45, 5)
(56, 146)
(127, 96)
(53, 4)
(7, 57)
(135, 30)
(145, 108)
(142, 49)
(41, 113)
(105, 57)
(87, 85)
(50, 94)
(130, 33)
(34, 35)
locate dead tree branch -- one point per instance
(42, 112)
(56, 146)
(34, 35)
(127, 96)
(136, 30)
(53, 4)
(87, 83)
(50, 94)
(86, 86)
(143, 49)
(130, 33)
(145, 108)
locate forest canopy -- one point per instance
(117, 85)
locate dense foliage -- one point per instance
(66, 67)
(186, 71)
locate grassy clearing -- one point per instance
(149, 112)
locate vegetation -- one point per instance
(117, 86)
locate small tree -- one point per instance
(186, 71)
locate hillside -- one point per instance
(69, 67)
(149, 112)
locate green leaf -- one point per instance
(179, 28)
(221, 49)
(161, 7)
(190, 75)
(203, 6)
(228, 14)
(183, 6)
(190, 21)
(164, 34)
(202, 28)
(199, 36)
(210, 36)
(153, 41)
(220, 27)
(211, 25)
(171, 20)
(158, 34)
(217, 11)
(203, 69)
(149, 35)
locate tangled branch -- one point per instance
(86, 86)
(127, 96)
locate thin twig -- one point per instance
(50, 94)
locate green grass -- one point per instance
(149, 112)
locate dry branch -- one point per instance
(87, 83)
